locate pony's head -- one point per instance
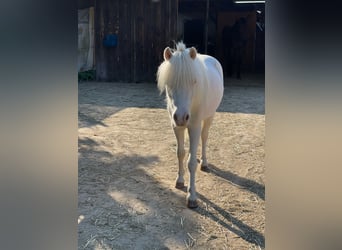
(177, 76)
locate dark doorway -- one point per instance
(194, 34)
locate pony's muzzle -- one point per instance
(181, 120)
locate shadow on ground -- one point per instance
(244, 183)
(238, 227)
(122, 206)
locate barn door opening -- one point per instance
(194, 33)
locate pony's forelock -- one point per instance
(180, 46)
(179, 71)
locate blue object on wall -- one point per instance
(110, 40)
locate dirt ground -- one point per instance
(128, 168)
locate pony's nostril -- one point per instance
(187, 117)
(175, 117)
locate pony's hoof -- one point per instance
(180, 185)
(192, 203)
(205, 168)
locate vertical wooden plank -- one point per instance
(137, 39)
(121, 69)
(98, 55)
(206, 28)
(175, 20)
(108, 29)
(116, 69)
(168, 12)
(101, 24)
(149, 44)
(158, 35)
(128, 42)
(133, 41)
(165, 21)
(143, 35)
(148, 38)
(140, 41)
(114, 53)
(154, 57)
(144, 29)
(171, 16)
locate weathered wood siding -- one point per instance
(144, 29)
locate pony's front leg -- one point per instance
(194, 135)
(179, 133)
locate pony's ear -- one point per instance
(193, 52)
(167, 53)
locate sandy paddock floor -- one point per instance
(128, 167)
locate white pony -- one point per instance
(193, 84)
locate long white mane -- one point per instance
(180, 71)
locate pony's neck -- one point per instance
(201, 87)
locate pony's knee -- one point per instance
(192, 164)
(180, 153)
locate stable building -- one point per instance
(123, 40)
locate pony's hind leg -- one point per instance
(179, 133)
(204, 136)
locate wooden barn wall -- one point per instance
(144, 29)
